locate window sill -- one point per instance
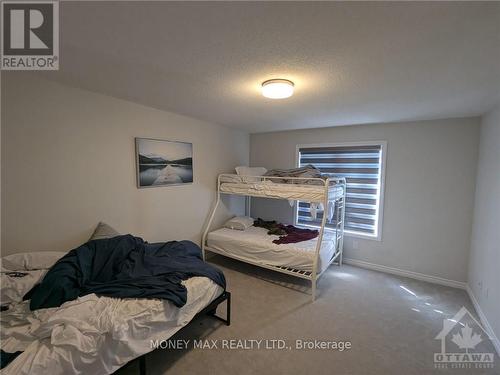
(346, 233)
(363, 236)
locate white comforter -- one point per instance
(269, 189)
(255, 245)
(94, 335)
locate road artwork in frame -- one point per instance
(163, 163)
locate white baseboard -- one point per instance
(484, 320)
(405, 273)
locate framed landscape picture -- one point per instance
(163, 163)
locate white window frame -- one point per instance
(381, 188)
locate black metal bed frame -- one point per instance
(211, 310)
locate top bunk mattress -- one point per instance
(255, 245)
(269, 189)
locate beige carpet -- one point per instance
(391, 322)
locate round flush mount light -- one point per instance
(277, 88)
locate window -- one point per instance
(362, 165)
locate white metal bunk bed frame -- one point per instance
(338, 200)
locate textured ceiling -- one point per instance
(351, 62)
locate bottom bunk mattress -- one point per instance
(91, 335)
(256, 246)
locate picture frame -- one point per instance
(162, 162)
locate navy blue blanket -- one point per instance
(124, 267)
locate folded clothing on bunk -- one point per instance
(287, 233)
(272, 226)
(308, 171)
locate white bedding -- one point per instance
(269, 189)
(35, 265)
(255, 245)
(94, 335)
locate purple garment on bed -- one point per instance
(294, 235)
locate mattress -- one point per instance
(95, 335)
(268, 189)
(255, 245)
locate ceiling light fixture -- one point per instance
(277, 88)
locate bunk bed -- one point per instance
(308, 259)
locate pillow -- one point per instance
(239, 223)
(31, 261)
(103, 230)
(250, 171)
(14, 288)
(32, 265)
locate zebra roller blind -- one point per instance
(361, 166)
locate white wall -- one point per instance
(484, 275)
(68, 161)
(1, 163)
(429, 194)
